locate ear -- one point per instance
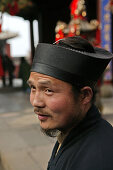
(86, 95)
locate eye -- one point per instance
(32, 88)
(48, 91)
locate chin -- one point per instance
(45, 125)
(50, 132)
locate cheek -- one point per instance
(57, 104)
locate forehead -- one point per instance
(45, 79)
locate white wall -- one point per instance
(20, 46)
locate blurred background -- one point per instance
(23, 24)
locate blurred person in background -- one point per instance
(24, 72)
(9, 68)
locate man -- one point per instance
(62, 80)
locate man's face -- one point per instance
(53, 101)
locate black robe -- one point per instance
(88, 147)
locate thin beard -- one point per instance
(55, 132)
(50, 132)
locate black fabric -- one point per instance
(62, 63)
(88, 147)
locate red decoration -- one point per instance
(13, 9)
(0, 27)
(78, 25)
(59, 35)
(14, 6)
(1, 68)
(75, 11)
(73, 7)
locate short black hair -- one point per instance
(80, 44)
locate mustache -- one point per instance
(41, 111)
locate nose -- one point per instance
(38, 100)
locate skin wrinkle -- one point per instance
(55, 100)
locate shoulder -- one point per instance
(95, 150)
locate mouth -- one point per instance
(42, 117)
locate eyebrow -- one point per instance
(44, 82)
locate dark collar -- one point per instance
(90, 122)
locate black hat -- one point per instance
(67, 64)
